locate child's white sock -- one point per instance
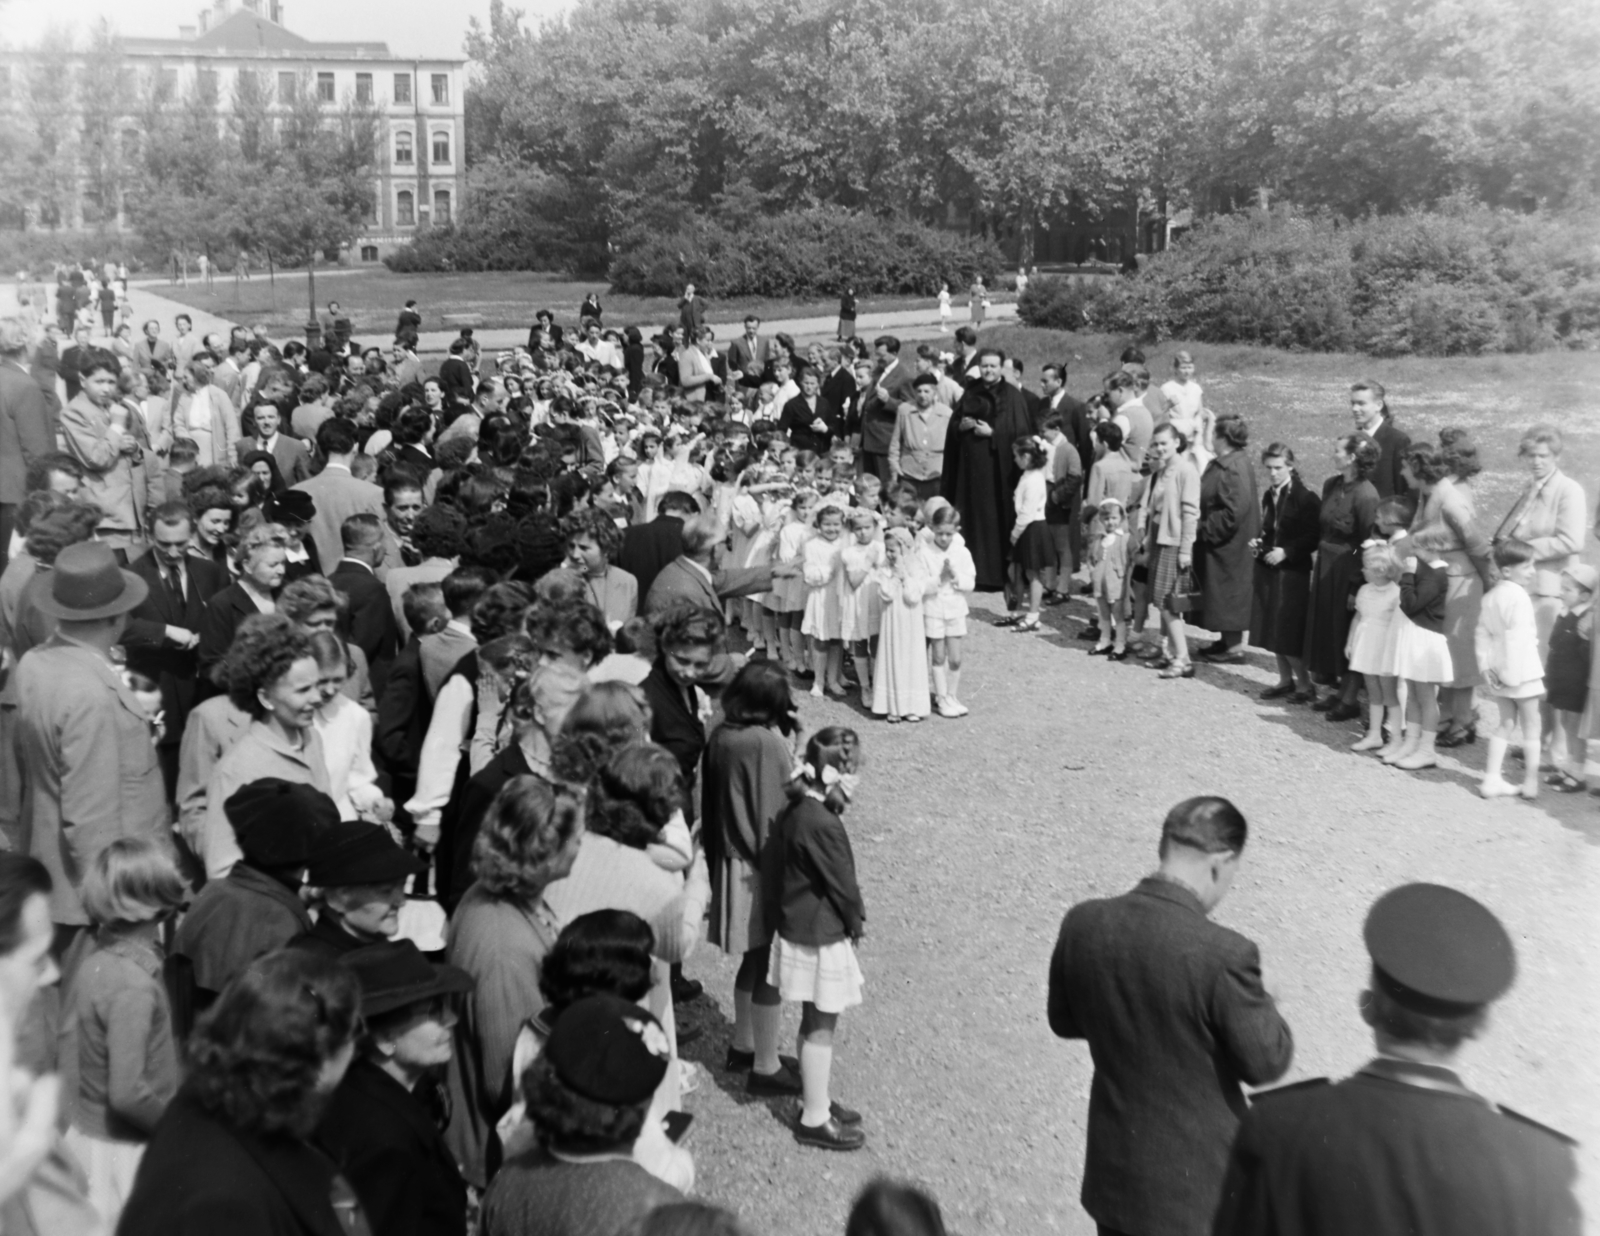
(743, 1024)
(952, 677)
(766, 1019)
(940, 687)
(816, 1067)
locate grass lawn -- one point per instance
(1303, 398)
(373, 297)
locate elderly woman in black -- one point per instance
(232, 1153)
(1290, 529)
(1349, 504)
(1229, 521)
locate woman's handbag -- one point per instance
(1185, 598)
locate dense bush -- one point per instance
(1059, 303)
(515, 218)
(800, 253)
(1461, 281)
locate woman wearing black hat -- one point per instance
(588, 1095)
(360, 876)
(231, 1155)
(379, 1128)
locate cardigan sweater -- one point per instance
(808, 877)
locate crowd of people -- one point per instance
(383, 741)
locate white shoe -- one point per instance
(959, 709)
(943, 707)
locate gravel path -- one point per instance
(973, 837)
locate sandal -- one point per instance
(1030, 623)
(892, 719)
(1565, 783)
(1010, 620)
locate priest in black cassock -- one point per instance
(980, 473)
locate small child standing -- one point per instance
(1422, 658)
(900, 676)
(789, 592)
(823, 571)
(1566, 676)
(1032, 551)
(1507, 645)
(1108, 578)
(946, 560)
(808, 879)
(119, 1059)
(862, 612)
(1371, 646)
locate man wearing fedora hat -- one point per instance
(378, 1128)
(1403, 1145)
(88, 756)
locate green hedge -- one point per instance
(801, 253)
(1462, 281)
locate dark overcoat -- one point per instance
(1230, 518)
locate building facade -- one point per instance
(420, 173)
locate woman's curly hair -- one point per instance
(69, 524)
(687, 625)
(263, 649)
(604, 952)
(499, 611)
(1364, 453)
(525, 829)
(597, 524)
(256, 1054)
(1428, 463)
(634, 794)
(567, 1121)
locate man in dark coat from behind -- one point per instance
(1176, 1019)
(1403, 1145)
(1224, 559)
(646, 548)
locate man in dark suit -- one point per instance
(1403, 1146)
(292, 455)
(1176, 1019)
(26, 436)
(749, 355)
(693, 578)
(646, 548)
(456, 378)
(1012, 372)
(1370, 411)
(879, 408)
(410, 319)
(691, 314)
(163, 631)
(368, 620)
(1076, 420)
(69, 366)
(336, 493)
(809, 420)
(839, 386)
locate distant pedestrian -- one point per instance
(1176, 1019)
(847, 314)
(977, 300)
(944, 308)
(1403, 1146)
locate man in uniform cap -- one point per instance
(256, 907)
(362, 874)
(1403, 1146)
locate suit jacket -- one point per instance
(455, 376)
(147, 358)
(1399, 1147)
(795, 421)
(338, 496)
(1393, 442)
(200, 1176)
(1176, 1018)
(26, 435)
(675, 725)
(646, 548)
(839, 388)
(691, 316)
(224, 612)
(741, 354)
(210, 732)
(292, 455)
(89, 766)
(682, 581)
(145, 639)
(1554, 520)
(368, 621)
(108, 479)
(384, 1140)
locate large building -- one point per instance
(421, 168)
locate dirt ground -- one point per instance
(972, 838)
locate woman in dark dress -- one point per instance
(1349, 503)
(1229, 521)
(1290, 529)
(979, 473)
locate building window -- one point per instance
(369, 253)
(441, 88)
(441, 147)
(169, 83)
(405, 208)
(402, 148)
(206, 81)
(286, 87)
(441, 207)
(363, 87)
(325, 87)
(402, 87)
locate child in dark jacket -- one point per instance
(809, 885)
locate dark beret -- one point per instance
(276, 822)
(608, 1050)
(355, 852)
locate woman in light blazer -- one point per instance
(1550, 514)
(1171, 522)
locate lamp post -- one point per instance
(313, 327)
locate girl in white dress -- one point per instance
(863, 607)
(900, 676)
(944, 308)
(822, 568)
(1186, 409)
(947, 561)
(1507, 645)
(789, 592)
(1372, 644)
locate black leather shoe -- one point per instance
(1326, 702)
(1280, 692)
(832, 1134)
(1100, 652)
(743, 1061)
(1303, 697)
(1089, 632)
(1227, 656)
(843, 1114)
(1117, 656)
(1458, 736)
(685, 990)
(1344, 712)
(783, 1081)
